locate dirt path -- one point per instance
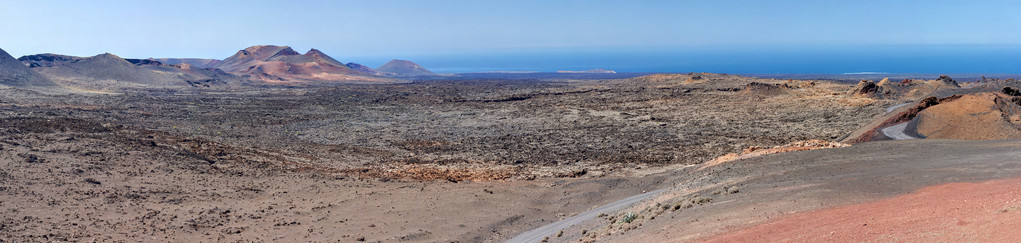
(537, 235)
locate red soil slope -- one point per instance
(957, 212)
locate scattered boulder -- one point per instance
(757, 88)
(882, 90)
(865, 87)
(948, 81)
(1011, 91)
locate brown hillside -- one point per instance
(979, 116)
(281, 64)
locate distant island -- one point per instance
(589, 71)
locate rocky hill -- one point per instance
(281, 64)
(111, 72)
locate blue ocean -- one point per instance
(740, 60)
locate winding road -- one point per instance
(890, 109)
(896, 132)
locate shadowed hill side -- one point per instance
(363, 68)
(194, 76)
(110, 72)
(15, 74)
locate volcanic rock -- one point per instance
(757, 88)
(948, 81)
(362, 68)
(48, 60)
(1011, 91)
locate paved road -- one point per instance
(890, 109)
(896, 132)
(537, 235)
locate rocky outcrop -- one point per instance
(944, 79)
(756, 151)
(146, 62)
(757, 88)
(48, 60)
(865, 88)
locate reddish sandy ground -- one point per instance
(986, 212)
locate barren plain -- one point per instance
(433, 160)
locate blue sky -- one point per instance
(377, 30)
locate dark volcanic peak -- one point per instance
(404, 68)
(145, 62)
(254, 56)
(286, 51)
(362, 68)
(320, 57)
(16, 74)
(48, 60)
(249, 57)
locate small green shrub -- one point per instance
(628, 218)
